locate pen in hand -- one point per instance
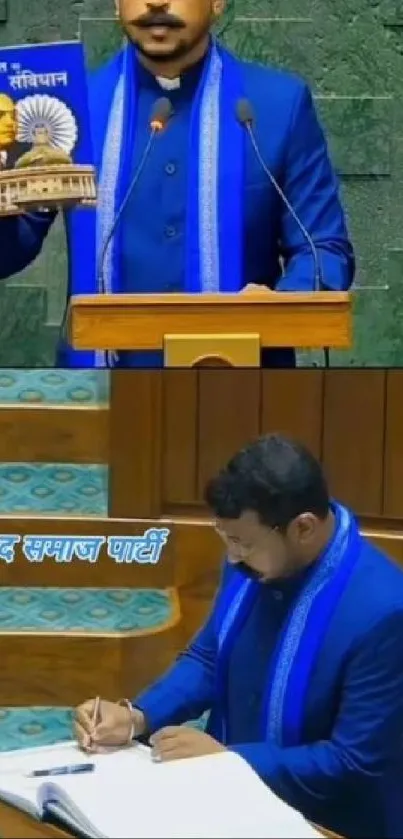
(94, 722)
(95, 713)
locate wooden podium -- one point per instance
(226, 329)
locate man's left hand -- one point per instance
(175, 742)
(254, 288)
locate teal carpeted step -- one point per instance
(61, 387)
(49, 488)
(52, 488)
(92, 610)
(24, 728)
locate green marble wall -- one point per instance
(351, 52)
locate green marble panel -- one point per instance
(46, 20)
(351, 65)
(378, 340)
(359, 131)
(102, 38)
(26, 339)
(267, 9)
(391, 12)
(50, 271)
(98, 8)
(282, 43)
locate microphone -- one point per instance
(245, 116)
(159, 118)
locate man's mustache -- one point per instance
(158, 19)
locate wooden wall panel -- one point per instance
(179, 437)
(166, 432)
(54, 434)
(135, 443)
(104, 573)
(353, 437)
(292, 404)
(393, 455)
(228, 417)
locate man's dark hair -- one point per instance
(274, 477)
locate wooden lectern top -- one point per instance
(251, 298)
(310, 320)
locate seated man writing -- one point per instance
(300, 662)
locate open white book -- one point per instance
(129, 796)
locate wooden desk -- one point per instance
(15, 825)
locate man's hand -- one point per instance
(176, 742)
(114, 727)
(254, 288)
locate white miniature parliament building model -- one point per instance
(44, 175)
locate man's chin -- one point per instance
(162, 52)
(249, 572)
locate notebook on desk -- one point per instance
(129, 796)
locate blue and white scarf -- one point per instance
(214, 217)
(300, 640)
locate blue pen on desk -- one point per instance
(76, 769)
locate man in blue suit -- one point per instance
(301, 659)
(203, 216)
